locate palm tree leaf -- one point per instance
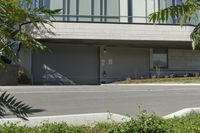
(18, 108)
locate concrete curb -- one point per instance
(80, 119)
(182, 112)
(86, 119)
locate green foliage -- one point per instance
(184, 13)
(144, 124)
(13, 26)
(18, 108)
(186, 124)
(23, 78)
(45, 128)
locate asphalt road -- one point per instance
(121, 99)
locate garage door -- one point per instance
(66, 65)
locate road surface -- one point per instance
(121, 99)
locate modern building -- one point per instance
(102, 41)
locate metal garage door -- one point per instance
(67, 65)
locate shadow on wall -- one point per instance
(50, 76)
(43, 33)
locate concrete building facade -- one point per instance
(102, 41)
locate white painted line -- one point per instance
(80, 119)
(182, 112)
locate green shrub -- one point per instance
(44, 128)
(23, 78)
(187, 124)
(144, 124)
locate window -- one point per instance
(178, 2)
(139, 11)
(96, 10)
(160, 58)
(112, 10)
(151, 7)
(58, 4)
(72, 4)
(85, 10)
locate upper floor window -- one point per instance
(130, 11)
(86, 10)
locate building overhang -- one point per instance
(111, 31)
(119, 43)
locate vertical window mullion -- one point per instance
(64, 9)
(101, 10)
(105, 10)
(119, 10)
(130, 11)
(146, 10)
(68, 10)
(174, 3)
(92, 10)
(159, 8)
(77, 10)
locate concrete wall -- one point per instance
(184, 59)
(25, 61)
(180, 63)
(119, 63)
(107, 31)
(64, 65)
(9, 75)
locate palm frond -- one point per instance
(184, 13)
(18, 108)
(195, 36)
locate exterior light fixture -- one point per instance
(104, 73)
(104, 50)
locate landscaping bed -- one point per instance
(142, 124)
(162, 80)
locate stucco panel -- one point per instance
(63, 30)
(120, 63)
(184, 59)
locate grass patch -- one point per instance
(162, 80)
(142, 124)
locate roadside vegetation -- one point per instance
(176, 80)
(142, 124)
(15, 21)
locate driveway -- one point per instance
(121, 99)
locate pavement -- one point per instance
(119, 99)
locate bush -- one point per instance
(144, 124)
(44, 128)
(23, 78)
(186, 124)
